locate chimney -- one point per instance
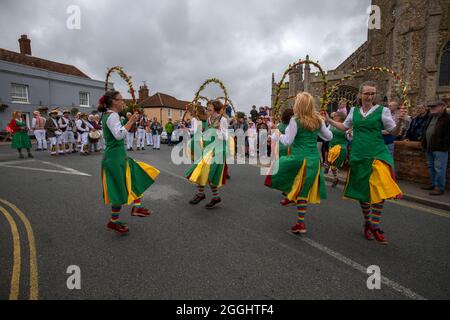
(143, 92)
(25, 45)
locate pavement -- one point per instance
(53, 218)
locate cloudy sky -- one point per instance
(175, 45)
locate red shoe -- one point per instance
(368, 232)
(118, 227)
(140, 212)
(286, 202)
(299, 228)
(379, 236)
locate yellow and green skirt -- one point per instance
(299, 179)
(337, 155)
(126, 181)
(371, 183)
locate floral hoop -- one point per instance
(124, 76)
(403, 85)
(278, 103)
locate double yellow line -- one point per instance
(17, 258)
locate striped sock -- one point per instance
(375, 217)
(115, 212)
(201, 191)
(137, 203)
(365, 206)
(302, 206)
(215, 192)
(334, 170)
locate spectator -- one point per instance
(262, 112)
(228, 110)
(251, 139)
(254, 114)
(415, 130)
(156, 129)
(170, 128)
(436, 144)
(389, 139)
(343, 107)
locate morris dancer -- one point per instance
(299, 175)
(211, 168)
(371, 180)
(20, 140)
(124, 180)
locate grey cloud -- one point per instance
(175, 45)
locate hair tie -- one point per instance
(101, 101)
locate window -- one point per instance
(444, 71)
(84, 99)
(169, 112)
(181, 114)
(19, 93)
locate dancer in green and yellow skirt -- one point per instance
(124, 180)
(211, 168)
(371, 178)
(284, 151)
(199, 124)
(338, 148)
(299, 175)
(19, 129)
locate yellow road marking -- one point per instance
(15, 279)
(34, 279)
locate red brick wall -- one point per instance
(411, 164)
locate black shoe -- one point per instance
(21, 156)
(30, 156)
(143, 149)
(197, 199)
(214, 203)
(138, 149)
(430, 188)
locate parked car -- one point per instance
(164, 139)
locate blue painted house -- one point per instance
(28, 83)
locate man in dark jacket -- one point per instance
(415, 130)
(436, 144)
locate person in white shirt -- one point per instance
(141, 125)
(67, 140)
(212, 169)
(38, 126)
(83, 128)
(298, 174)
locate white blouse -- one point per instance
(291, 132)
(119, 132)
(196, 125)
(386, 117)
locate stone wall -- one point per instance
(411, 164)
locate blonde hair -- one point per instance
(305, 110)
(15, 113)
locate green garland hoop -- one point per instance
(124, 76)
(403, 85)
(324, 100)
(221, 85)
(199, 97)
